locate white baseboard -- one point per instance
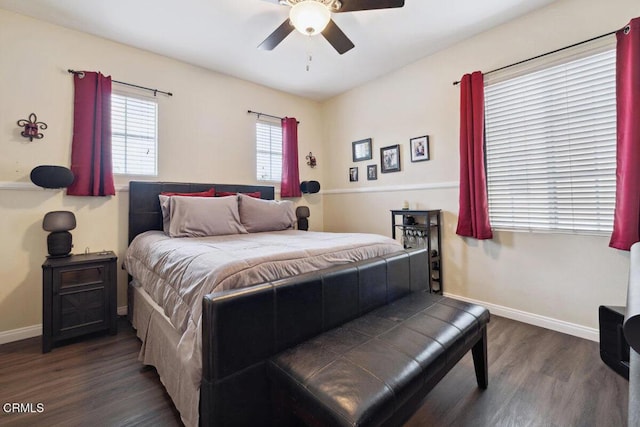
(20, 334)
(536, 319)
(36, 330)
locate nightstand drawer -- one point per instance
(86, 275)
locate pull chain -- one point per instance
(309, 54)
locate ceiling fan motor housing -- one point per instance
(332, 5)
(310, 17)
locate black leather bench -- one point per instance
(253, 325)
(377, 369)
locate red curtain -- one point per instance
(626, 221)
(91, 147)
(290, 185)
(473, 218)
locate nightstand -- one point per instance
(78, 296)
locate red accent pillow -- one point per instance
(255, 194)
(209, 193)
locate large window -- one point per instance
(134, 135)
(268, 150)
(551, 147)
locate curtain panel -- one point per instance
(473, 217)
(290, 184)
(626, 220)
(91, 146)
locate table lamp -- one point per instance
(302, 213)
(59, 241)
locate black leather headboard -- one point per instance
(144, 205)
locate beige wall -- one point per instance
(544, 278)
(205, 135)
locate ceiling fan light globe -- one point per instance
(310, 17)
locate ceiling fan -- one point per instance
(311, 17)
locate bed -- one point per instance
(170, 277)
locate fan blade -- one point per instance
(355, 5)
(277, 36)
(337, 38)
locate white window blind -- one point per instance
(551, 148)
(268, 150)
(134, 141)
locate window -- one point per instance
(551, 147)
(134, 141)
(268, 150)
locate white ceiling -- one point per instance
(223, 35)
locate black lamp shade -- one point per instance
(303, 212)
(59, 221)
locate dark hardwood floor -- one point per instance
(537, 377)
(93, 381)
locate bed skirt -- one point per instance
(160, 350)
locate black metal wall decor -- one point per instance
(311, 160)
(31, 127)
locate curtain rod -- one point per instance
(155, 91)
(545, 54)
(266, 115)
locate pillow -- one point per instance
(209, 193)
(165, 204)
(255, 194)
(265, 215)
(204, 216)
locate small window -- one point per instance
(268, 150)
(551, 148)
(134, 139)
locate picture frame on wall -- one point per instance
(353, 174)
(362, 150)
(419, 148)
(390, 159)
(372, 172)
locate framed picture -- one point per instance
(372, 172)
(390, 159)
(419, 148)
(353, 174)
(361, 150)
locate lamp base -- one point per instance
(59, 244)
